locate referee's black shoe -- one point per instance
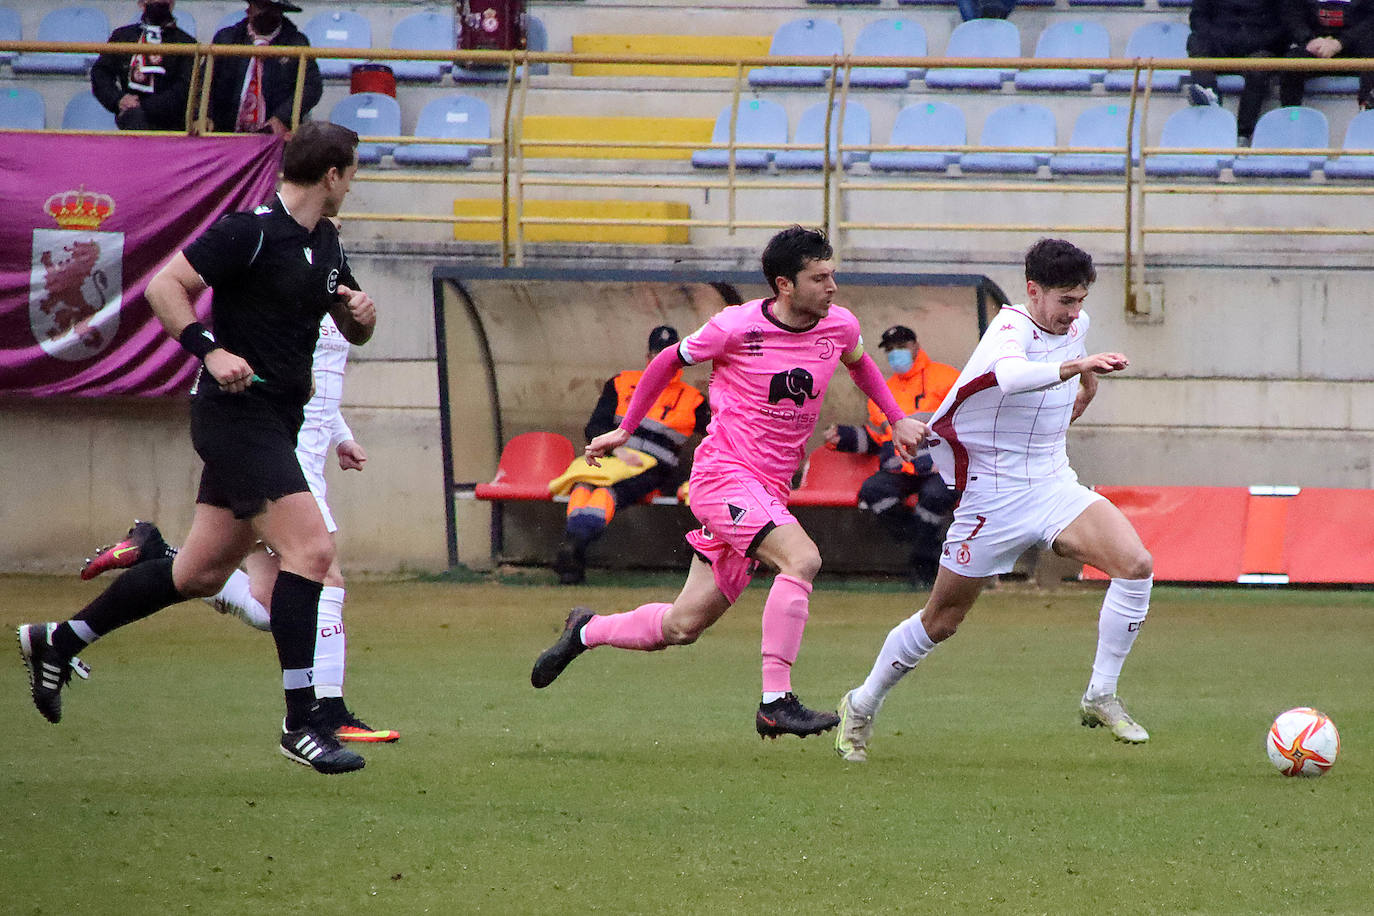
(787, 716)
(568, 647)
(49, 670)
(314, 746)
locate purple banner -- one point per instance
(85, 222)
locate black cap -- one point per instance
(662, 337)
(284, 4)
(897, 335)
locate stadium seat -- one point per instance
(759, 121)
(427, 31)
(338, 29)
(11, 29)
(844, 2)
(805, 37)
(1107, 2)
(536, 39)
(923, 124)
(888, 38)
(70, 23)
(22, 108)
(977, 38)
(1104, 125)
(84, 112)
(833, 478)
(1157, 40)
(1013, 125)
(811, 129)
(527, 464)
(1359, 135)
(370, 114)
(1067, 40)
(451, 117)
(1197, 127)
(1295, 127)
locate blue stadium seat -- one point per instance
(844, 2)
(858, 130)
(1104, 125)
(426, 31)
(1168, 3)
(1295, 127)
(1067, 40)
(888, 38)
(22, 108)
(759, 121)
(805, 37)
(1197, 127)
(84, 112)
(338, 29)
(451, 117)
(1333, 85)
(370, 114)
(536, 39)
(1359, 135)
(977, 38)
(1019, 3)
(1158, 40)
(1106, 2)
(11, 29)
(1013, 125)
(923, 124)
(70, 23)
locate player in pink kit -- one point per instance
(772, 360)
(998, 437)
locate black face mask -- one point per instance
(266, 22)
(158, 13)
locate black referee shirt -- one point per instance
(273, 282)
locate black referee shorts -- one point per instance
(248, 445)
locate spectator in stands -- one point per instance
(647, 462)
(985, 9)
(1235, 28)
(919, 384)
(1327, 29)
(146, 91)
(255, 94)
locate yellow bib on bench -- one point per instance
(612, 471)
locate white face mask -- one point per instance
(901, 360)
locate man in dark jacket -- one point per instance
(146, 91)
(1235, 28)
(1326, 29)
(255, 95)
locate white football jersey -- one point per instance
(324, 427)
(987, 437)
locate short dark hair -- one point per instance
(1057, 264)
(315, 148)
(788, 251)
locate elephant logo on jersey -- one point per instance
(331, 285)
(795, 385)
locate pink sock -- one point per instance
(784, 619)
(640, 629)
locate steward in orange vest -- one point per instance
(678, 413)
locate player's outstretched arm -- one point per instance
(1097, 364)
(604, 444)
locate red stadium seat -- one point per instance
(528, 463)
(832, 478)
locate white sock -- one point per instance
(331, 644)
(905, 645)
(1123, 611)
(771, 695)
(237, 599)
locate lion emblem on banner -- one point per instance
(77, 277)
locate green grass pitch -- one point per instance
(636, 783)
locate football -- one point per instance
(1303, 742)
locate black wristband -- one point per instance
(197, 340)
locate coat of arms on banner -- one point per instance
(77, 277)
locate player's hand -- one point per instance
(1098, 363)
(128, 100)
(629, 456)
(351, 455)
(907, 435)
(359, 305)
(605, 444)
(230, 371)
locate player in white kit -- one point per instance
(999, 438)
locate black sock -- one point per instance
(295, 613)
(139, 592)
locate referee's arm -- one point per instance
(355, 314)
(172, 293)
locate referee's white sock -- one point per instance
(236, 598)
(906, 644)
(331, 644)
(1123, 611)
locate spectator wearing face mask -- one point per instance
(255, 94)
(146, 91)
(919, 384)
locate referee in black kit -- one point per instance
(274, 273)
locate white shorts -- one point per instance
(313, 468)
(991, 529)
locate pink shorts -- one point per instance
(736, 513)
